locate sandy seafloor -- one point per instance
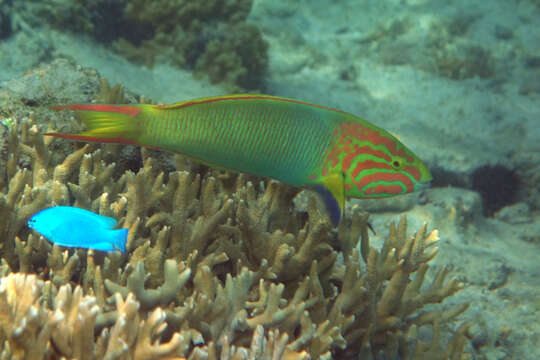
(324, 51)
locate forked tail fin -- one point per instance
(105, 123)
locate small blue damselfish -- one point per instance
(75, 227)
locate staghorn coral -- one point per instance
(219, 266)
(216, 316)
(398, 296)
(28, 192)
(32, 329)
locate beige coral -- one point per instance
(32, 330)
(26, 326)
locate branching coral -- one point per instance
(398, 297)
(31, 329)
(28, 192)
(26, 326)
(163, 295)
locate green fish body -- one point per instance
(332, 152)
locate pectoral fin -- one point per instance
(331, 191)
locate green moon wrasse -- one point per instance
(332, 152)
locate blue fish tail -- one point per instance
(119, 238)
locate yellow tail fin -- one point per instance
(105, 123)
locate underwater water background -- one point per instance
(457, 82)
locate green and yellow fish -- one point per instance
(332, 152)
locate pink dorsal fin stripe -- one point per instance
(123, 109)
(246, 97)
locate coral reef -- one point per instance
(33, 329)
(212, 38)
(218, 267)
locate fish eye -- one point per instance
(396, 164)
